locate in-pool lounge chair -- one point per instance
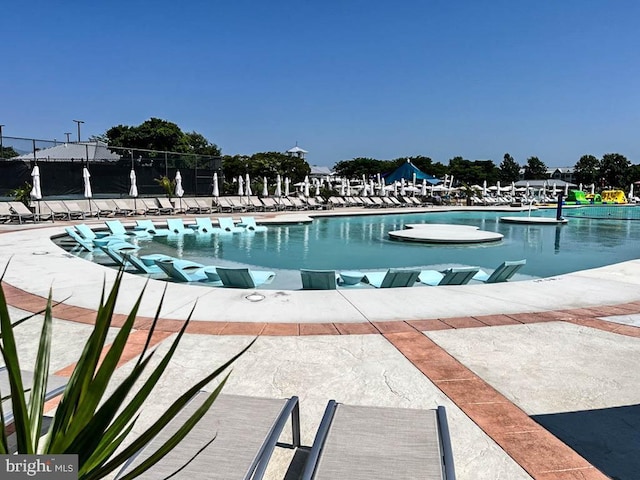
(149, 227)
(450, 276)
(227, 225)
(118, 252)
(244, 430)
(146, 263)
(55, 387)
(80, 241)
(249, 223)
(364, 443)
(176, 227)
(186, 270)
(117, 229)
(204, 226)
(501, 274)
(243, 277)
(394, 277)
(318, 279)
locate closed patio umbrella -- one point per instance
(36, 192)
(287, 181)
(216, 190)
(278, 192)
(343, 186)
(87, 185)
(318, 185)
(554, 189)
(403, 188)
(593, 189)
(306, 187)
(179, 190)
(348, 187)
(484, 188)
(240, 187)
(630, 192)
(566, 189)
(247, 188)
(423, 192)
(133, 189)
(265, 187)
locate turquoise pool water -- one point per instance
(362, 243)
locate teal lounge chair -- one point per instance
(141, 263)
(149, 227)
(97, 238)
(80, 241)
(318, 279)
(185, 270)
(117, 229)
(176, 227)
(392, 278)
(501, 274)
(227, 225)
(450, 276)
(204, 225)
(118, 251)
(249, 223)
(243, 277)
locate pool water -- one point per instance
(362, 243)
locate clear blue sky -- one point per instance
(343, 78)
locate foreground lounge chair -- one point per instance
(450, 276)
(501, 274)
(204, 226)
(392, 278)
(364, 443)
(243, 277)
(227, 225)
(244, 430)
(55, 387)
(176, 227)
(249, 223)
(319, 279)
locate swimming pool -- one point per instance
(362, 243)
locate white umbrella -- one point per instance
(414, 179)
(278, 192)
(554, 189)
(484, 188)
(215, 191)
(593, 189)
(372, 190)
(498, 188)
(423, 192)
(580, 187)
(348, 188)
(403, 188)
(526, 191)
(36, 192)
(342, 187)
(87, 183)
(631, 192)
(566, 189)
(513, 189)
(240, 186)
(179, 190)
(287, 181)
(318, 185)
(395, 189)
(265, 188)
(133, 189)
(247, 189)
(306, 187)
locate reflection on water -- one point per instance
(362, 243)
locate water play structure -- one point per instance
(613, 196)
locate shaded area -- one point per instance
(608, 438)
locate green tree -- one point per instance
(509, 169)
(587, 169)
(615, 170)
(359, 166)
(473, 172)
(8, 152)
(535, 169)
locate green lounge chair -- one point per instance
(176, 227)
(318, 279)
(244, 430)
(227, 225)
(204, 225)
(117, 229)
(392, 278)
(249, 223)
(243, 277)
(450, 276)
(148, 226)
(501, 274)
(358, 443)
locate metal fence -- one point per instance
(61, 166)
(605, 212)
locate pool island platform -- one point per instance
(444, 234)
(539, 377)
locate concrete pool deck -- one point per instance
(523, 396)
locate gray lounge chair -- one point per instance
(365, 443)
(243, 277)
(501, 274)
(450, 276)
(318, 279)
(392, 278)
(233, 440)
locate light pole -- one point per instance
(78, 122)
(67, 134)
(1, 150)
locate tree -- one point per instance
(265, 164)
(587, 170)
(8, 152)
(509, 169)
(473, 172)
(615, 170)
(359, 166)
(535, 169)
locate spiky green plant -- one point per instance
(22, 193)
(167, 184)
(88, 422)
